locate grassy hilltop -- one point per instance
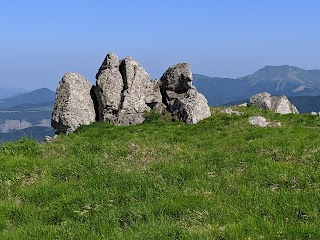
(219, 179)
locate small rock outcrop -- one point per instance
(315, 113)
(260, 121)
(278, 104)
(181, 97)
(73, 105)
(124, 91)
(229, 111)
(123, 94)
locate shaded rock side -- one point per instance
(181, 97)
(125, 92)
(73, 105)
(278, 104)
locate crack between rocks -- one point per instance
(122, 71)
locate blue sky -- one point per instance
(41, 40)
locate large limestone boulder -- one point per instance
(73, 105)
(278, 104)
(139, 95)
(125, 92)
(109, 87)
(181, 97)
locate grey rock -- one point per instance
(259, 121)
(229, 111)
(177, 78)
(47, 138)
(109, 87)
(125, 92)
(73, 105)
(139, 93)
(243, 105)
(315, 113)
(181, 97)
(278, 104)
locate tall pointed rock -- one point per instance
(109, 87)
(124, 91)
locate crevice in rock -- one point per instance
(95, 102)
(122, 69)
(151, 104)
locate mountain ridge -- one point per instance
(277, 80)
(37, 96)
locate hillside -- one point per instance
(277, 80)
(219, 179)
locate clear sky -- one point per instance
(43, 39)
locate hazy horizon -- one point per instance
(41, 40)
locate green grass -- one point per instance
(219, 179)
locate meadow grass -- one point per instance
(219, 179)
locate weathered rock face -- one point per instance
(260, 121)
(125, 92)
(279, 104)
(73, 105)
(181, 98)
(122, 95)
(108, 88)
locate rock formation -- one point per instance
(278, 104)
(260, 121)
(124, 91)
(181, 98)
(109, 87)
(229, 111)
(73, 105)
(315, 113)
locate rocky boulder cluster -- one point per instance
(122, 95)
(278, 104)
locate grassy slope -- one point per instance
(219, 179)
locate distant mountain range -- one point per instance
(277, 80)
(28, 114)
(38, 96)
